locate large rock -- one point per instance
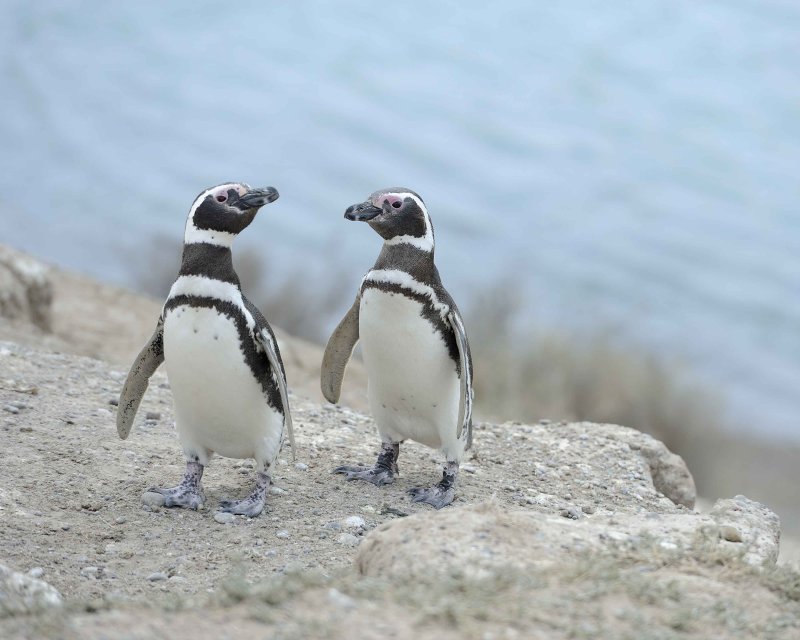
(482, 540)
(26, 292)
(668, 471)
(20, 593)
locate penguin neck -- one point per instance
(417, 262)
(424, 242)
(213, 261)
(194, 235)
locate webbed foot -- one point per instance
(437, 496)
(253, 504)
(375, 475)
(189, 493)
(382, 473)
(441, 494)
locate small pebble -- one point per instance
(588, 509)
(113, 402)
(152, 415)
(223, 517)
(90, 572)
(10, 408)
(572, 513)
(158, 576)
(368, 508)
(36, 572)
(120, 520)
(277, 491)
(302, 466)
(729, 533)
(152, 499)
(355, 522)
(282, 534)
(348, 540)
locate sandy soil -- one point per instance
(71, 512)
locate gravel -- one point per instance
(223, 517)
(348, 540)
(355, 522)
(157, 576)
(153, 499)
(36, 572)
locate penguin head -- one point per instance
(219, 213)
(398, 215)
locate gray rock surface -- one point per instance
(26, 290)
(20, 593)
(668, 471)
(752, 525)
(481, 540)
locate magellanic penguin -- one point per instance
(414, 345)
(224, 367)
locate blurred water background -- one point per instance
(631, 168)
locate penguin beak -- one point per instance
(362, 212)
(256, 198)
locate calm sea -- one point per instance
(635, 165)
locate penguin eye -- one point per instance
(396, 204)
(222, 197)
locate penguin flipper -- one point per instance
(337, 354)
(465, 399)
(267, 343)
(148, 360)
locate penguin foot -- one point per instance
(189, 493)
(253, 504)
(180, 496)
(384, 470)
(437, 496)
(441, 494)
(375, 475)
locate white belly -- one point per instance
(219, 405)
(413, 387)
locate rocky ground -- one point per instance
(558, 530)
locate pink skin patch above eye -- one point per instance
(395, 201)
